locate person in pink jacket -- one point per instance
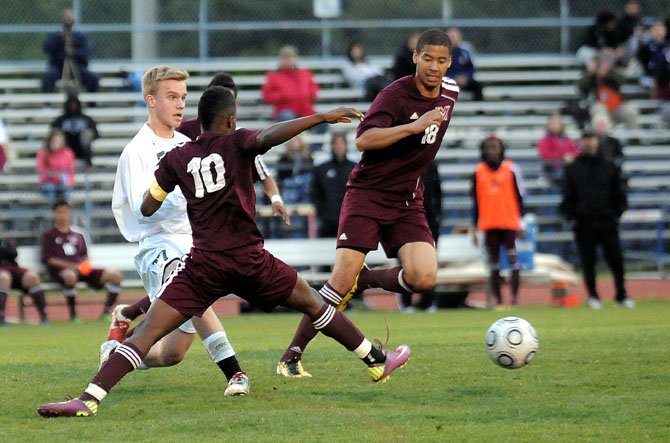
(290, 90)
(556, 149)
(56, 166)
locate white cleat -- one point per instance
(107, 349)
(238, 385)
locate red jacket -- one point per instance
(552, 149)
(290, 89)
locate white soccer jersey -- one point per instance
(134, 174)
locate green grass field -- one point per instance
(598, 376)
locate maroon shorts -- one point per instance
(367, 219)
(205, 276)
(17, 273)
(495, 238)
(93, 279)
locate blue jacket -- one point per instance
(461, 63)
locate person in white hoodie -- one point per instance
(165, 236)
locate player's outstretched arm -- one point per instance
(284, 131)
(380, 138)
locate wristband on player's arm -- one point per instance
(277, 199)
(156, 191)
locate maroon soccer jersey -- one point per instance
(190, 128)
(70, 246)
(216, 175)
(398, 168)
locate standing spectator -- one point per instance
(12, 276)
(6, 149)
(290, 90)
(462, 69)
(72, 47)
(630, 28)
(497, 196)
(602, 36)
(611, 148)
(65, 254)
(56, 166)
(403, 63)
(593, 200)
(361, 74)
(556, 148)
(652, 56)
(601, 83)
(329, 185)
(80, 130)
(432, 203)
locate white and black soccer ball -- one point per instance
(511, 342)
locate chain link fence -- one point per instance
(205, 29)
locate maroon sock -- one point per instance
(71, 305)
(39, 300)
(306, 331)
(3, 302)
(337, 326)
(125, 358)
(138, 308)
(109, 302)
(382, 278)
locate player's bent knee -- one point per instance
(421, 282)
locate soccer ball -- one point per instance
(511, 342)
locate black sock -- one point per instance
(230, 366)
(375, 357)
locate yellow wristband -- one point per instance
(156, 191)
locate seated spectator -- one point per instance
(6, 149)
(610, 147)
(56, 167)
(601, 84)
(329, 185)
(361, 74)
(462, 69)
(296, 160)
(602, 36)
(652, 55)
(68, 49)
(290, 90)
(663, 90)
(556, 149)
(13, 276)
(80, 130)
(294, 177)
(403, 63)
(65, 254)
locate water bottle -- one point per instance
(526, 247)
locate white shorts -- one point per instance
(155, 254)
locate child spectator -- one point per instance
(56, 167)
(556, 149)
(361, 74)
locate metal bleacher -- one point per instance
(520, 90)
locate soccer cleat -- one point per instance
(594, 303)
(107, 349)
(292, 368)
(119, 325)
(73, 407)
(353, 292)
(238, 385)
(394, 359)
(625, 303)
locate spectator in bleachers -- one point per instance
(594, 198)
(295, 169)
(65, 254)
(361, 74)
(601, 84)
(556, 148)
(602, 36)
(610, 147)
(13, 276)
(630, 28)
(403, 63)
(663, 90)
(6, 149)
(329, 184)
(652, 56)
(56, 165)
(462, 69)
(80, 130)
(290, 90)
(497, 206)
(68, 48)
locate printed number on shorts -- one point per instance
(161, 259)
(430, 134)
(201, 169)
